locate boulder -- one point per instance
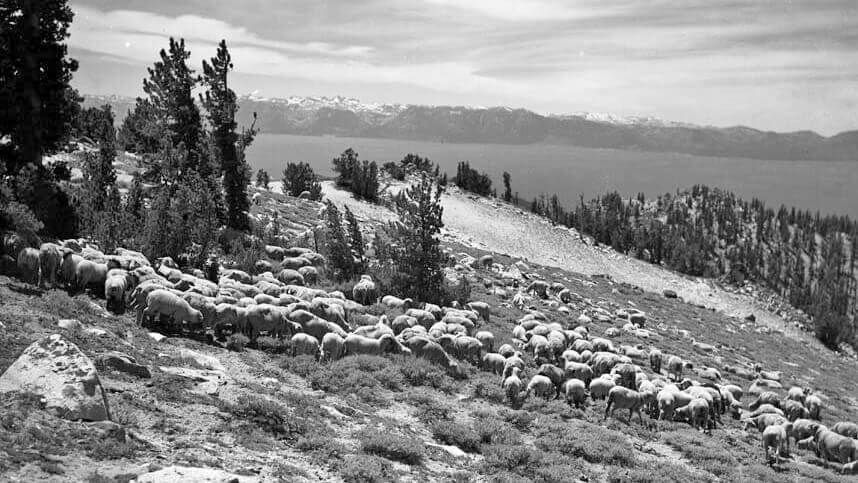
(206, 382)
(122, 363)
(156, 336)
(65, 377)
(181, 474)
(670, 294)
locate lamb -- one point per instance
(696, 413)
(541, 386)
(624, 398)
(166, 303)
(512, 386)
(575, 392)
(305, 344)
(776, 437)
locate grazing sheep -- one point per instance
(267, 318)
(807, 444)
(512, 362)
(696, 413)
(626, 373)
(624, 398)
(601, 386)
(578, 370)
(603, 345)
(294, 263)
(333, 347)
(424, 317)
(541, 386)
(310, 274)
(795, 410)
(765, 409)
(305, 344)
(804, 428)
(735, 390)
(481, 308)
(423, 347)
(796, 393)
(402, 322)
(674, 367)
(666, 401)
(166, 303)
(776, 437)
(493, 362)
(90, 273)
(570, 356)
(603, 362)
(539, 288)
(115, 285)
(397, 303)
(357, 344)
(844, 428)
(831, 446)
(315, 326)
(50, 258)
(763, 421)
(512, 386)
(506, 350)
(575, 392)
(555, 374)
(487, 339)
(767, 397)
(28, 265)
(709, 373)
(814, 405)
(290, 277)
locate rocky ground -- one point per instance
(184, 409)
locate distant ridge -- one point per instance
(348, 117)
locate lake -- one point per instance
(569, 171)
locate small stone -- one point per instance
(95, 332)
(121, 362)
(156, 336)
(69, 324)
(670, 294)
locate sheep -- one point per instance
(846, 429)
(423, 347)
(601, 386)
(814, 405)
(603, 362)
(364, 292)
(804, 428)
(166, 303)
(849, 468)
(397, 303)
(487, 339)
(541, 386)
(735, 390)
(90, 273)
(832, 446)
(795, 410)
(115, 285)
(570, 356)
(575, 392)
(512, 362)
(624, 398)
(50, 258)
(555, 374)
(796, 393)
(333, 347)
(763, 421)
(776, 437)
(512, 386)
(767, 397)
(28, 265)
(603, 345)
(674, 367)
(696, 413)
(305, 344)
(506, 350)
(493, 362)
(626, 373)
(357, 344)
(578, 370)
(481, 308)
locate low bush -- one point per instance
(392, 446)
(420, 372)
(652, 472)
(584, 440)
(236, 342)
(456, 434)
(272, 345)
(704, 452)
(105, 449)
(268, 415)
(302, 366)
(522, 420)
(361, 468)
(508, 457)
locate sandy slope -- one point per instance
(500, 228)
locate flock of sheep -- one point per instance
(569, 363)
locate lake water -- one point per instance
(569, 171)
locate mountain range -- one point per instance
(347, 117)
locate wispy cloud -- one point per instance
(769, 63)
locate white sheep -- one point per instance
(624, 398)
(512, 386)
(776, 437)
(541, 386)
(575, 392)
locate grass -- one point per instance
(362, 468)
(587, 441)
(456, 434)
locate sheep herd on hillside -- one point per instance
(567, 361)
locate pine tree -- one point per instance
(299, 177)
(419, 260)
(338, 250)
(507, 189)
(345, 166)
(220, 104)
(142, 129)
(169, 87)
(262, 179)
(37, 104)
(358, 249)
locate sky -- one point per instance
(770, 64)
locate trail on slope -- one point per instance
(501, 228)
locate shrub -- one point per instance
(106, 449)
(300, 177)
(522, 420)
(704, 452)
(588, 441)
(302, 365)
(392, 446)
(237, 342)
(420, 372)
(651, 472)
(518, 458)
(428, 408)
(456, 434)
(493, 430)
(366, 468)
(272, 345)
(268, 415)
(394, 170)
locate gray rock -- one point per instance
(156, 336)
(201, 360)
(670, 294)
(122, 363)
(65, 377)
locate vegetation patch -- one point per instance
(456, 434)
(392, 446)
